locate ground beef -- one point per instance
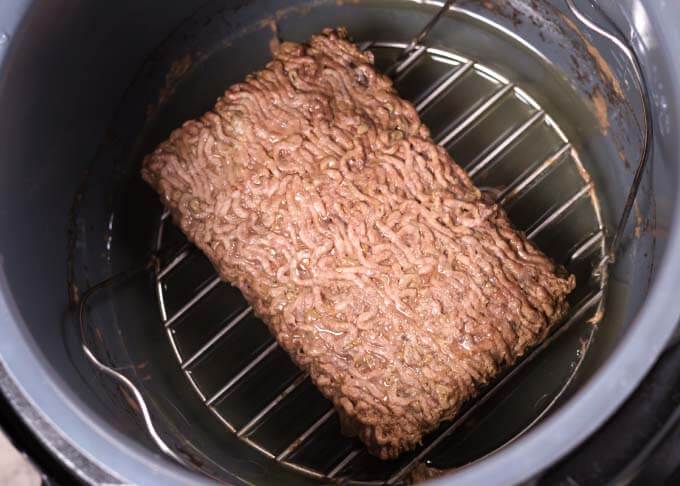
(377, 264)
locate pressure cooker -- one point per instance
(124, 358)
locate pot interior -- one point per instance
(544, 116)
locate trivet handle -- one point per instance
(419, 38)
(619, 41)
(110, 370)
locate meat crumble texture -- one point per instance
(377, 264)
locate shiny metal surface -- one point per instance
(648, 133)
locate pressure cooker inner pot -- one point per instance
(543, 113)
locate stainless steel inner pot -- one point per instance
(543, 112)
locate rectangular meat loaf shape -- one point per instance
(371, 256)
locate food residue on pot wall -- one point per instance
(177, 69)
(613, 92)
(600, 104)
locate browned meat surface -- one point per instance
(371, 256)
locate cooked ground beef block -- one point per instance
(377, 264)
